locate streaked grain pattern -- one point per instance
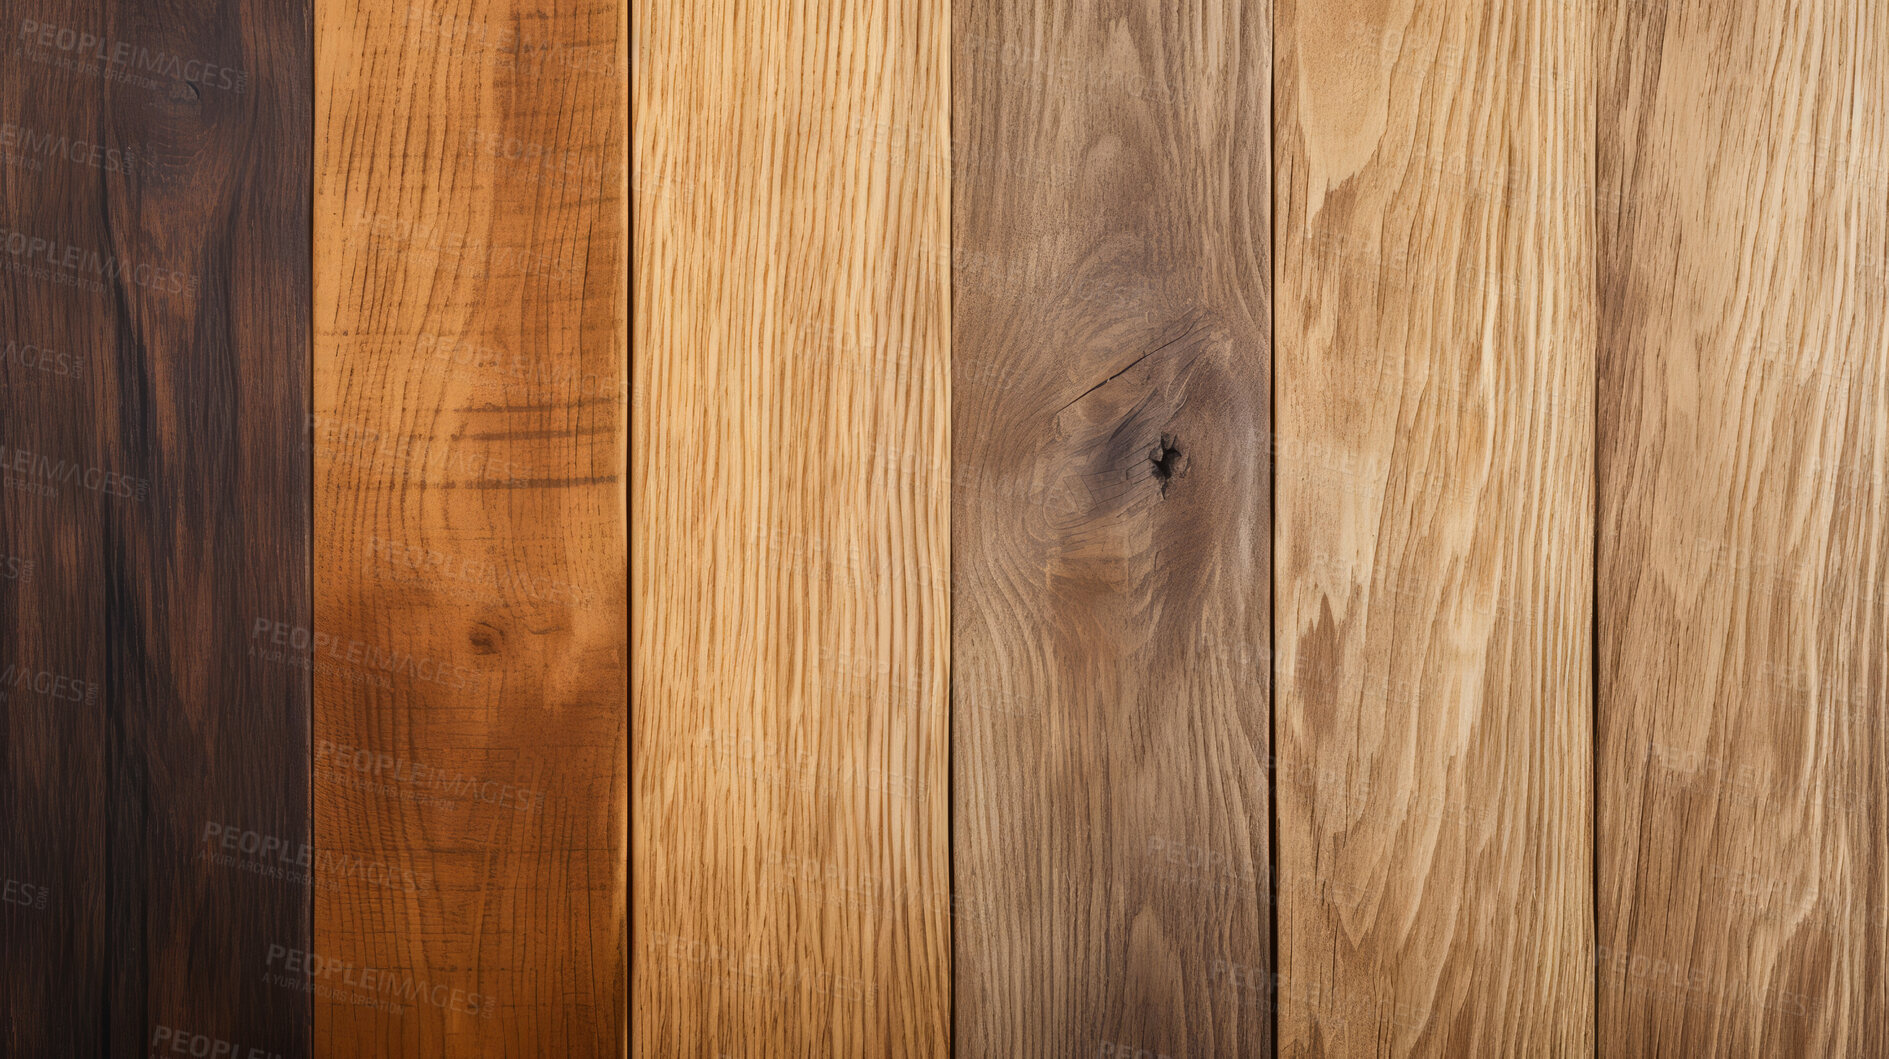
(1435, 335)
(154, 286)
(471, 735)
(790, 861)
(1744, 567)
(1111, 528)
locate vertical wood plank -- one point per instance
(154, 511)
(471, 736)
(1111, 527)
(790, 868)
(1435, 333)
(1744, 469)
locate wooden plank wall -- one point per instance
(1435, 331)
(1110, 508)
(1744, 472)
(980, 643)
(471, 312)
(154, 524)
(790, 863)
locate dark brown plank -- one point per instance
(154, 197)
(1110, 528)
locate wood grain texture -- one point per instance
(790, 864)
(469, 438)
(1110, 519)
(154, 285)
(1435, 336)
(1744, 488)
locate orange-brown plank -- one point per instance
(470, 640)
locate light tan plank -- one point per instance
(1435, 335)
(790, 546)
(1744, 528)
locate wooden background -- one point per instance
(1418, 519)
(1158, 529)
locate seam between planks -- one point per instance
(1271, 897)
(950, 537)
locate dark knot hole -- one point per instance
(1168, 461)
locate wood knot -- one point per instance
(1168, 460)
